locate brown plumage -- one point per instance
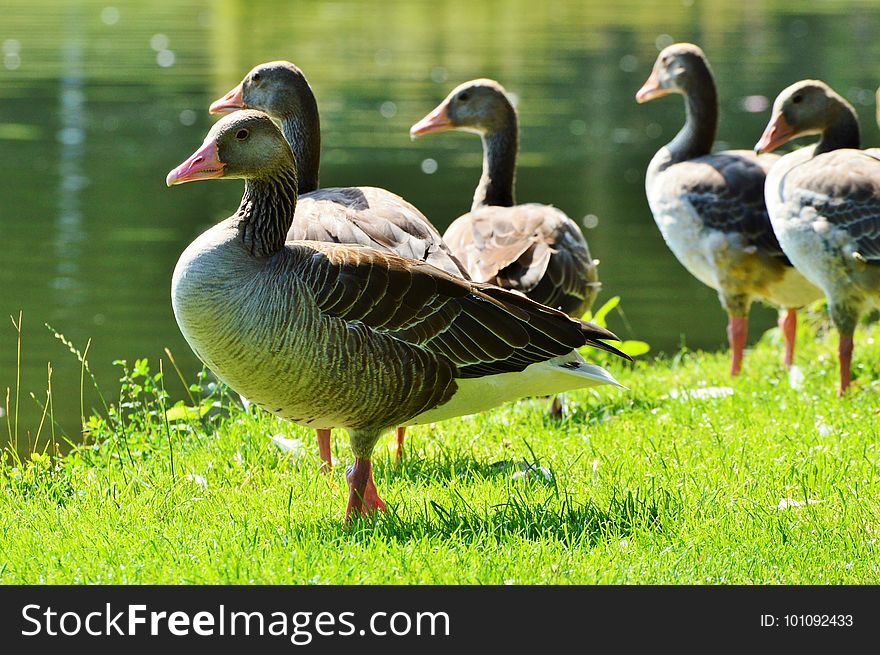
(336, 335)
(533, 248)
(367, 216)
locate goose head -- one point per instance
(246, 144)
(479, 106)
(278, 88)
(805, 108)
(677, 69)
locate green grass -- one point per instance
(646, 485)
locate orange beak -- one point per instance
(228, 103)
(777, 132)
(651, 89)
(203, 164)
(436, 121)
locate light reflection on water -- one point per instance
(98, 100)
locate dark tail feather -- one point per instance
(593, 333)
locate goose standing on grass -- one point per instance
(824, 201)
(710, 206)
(336, 335)
(369, 216)
(534, 249)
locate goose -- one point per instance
(364, 215)
(531, 248)
(342, 335)
(710, 206)
(824, 202)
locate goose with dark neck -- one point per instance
(532, 248)
(710, 206)
(824, 202)
(338, 335)
(368, 216)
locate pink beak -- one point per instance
(651, 89)
(203, 164)
(228, 103)
(777, 132)
(436, 121)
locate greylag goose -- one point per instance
(710, 206)
(824, 201)
(532, 248)
(337, 335)
(369, 216)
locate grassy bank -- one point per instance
(686, 476)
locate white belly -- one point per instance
(542, 379)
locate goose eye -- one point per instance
(796, 99)
(463, 96)
(241, 135)
(256, 77)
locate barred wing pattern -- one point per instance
(481, 329)
(371, 217)
(532, 248)
(726, 189)
(843, 187)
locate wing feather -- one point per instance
(843, 187)
(371, 217)
(480, 328)
(726, 190)
(532, 248)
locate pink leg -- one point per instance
(363, 498)
(324, 449)
(401, 432)
(737, 328)
(788, 326)
(844, 355)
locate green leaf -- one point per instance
(599, 317)
(141, 368)
(180, 412)
(634, 348)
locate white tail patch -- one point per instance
(542, 379)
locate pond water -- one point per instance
(101, 99)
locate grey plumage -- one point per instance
(710, 206)
(339, 335)
(824, 202)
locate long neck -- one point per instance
(302, 129)
(843, 132)
(695, 139)
(266, 212)
(499, 166)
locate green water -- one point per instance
(98, 100)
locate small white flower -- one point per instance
(795, 377)
(701, 394)
(197, 479)
(787, 503)
(824, 429)
(292, 446)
